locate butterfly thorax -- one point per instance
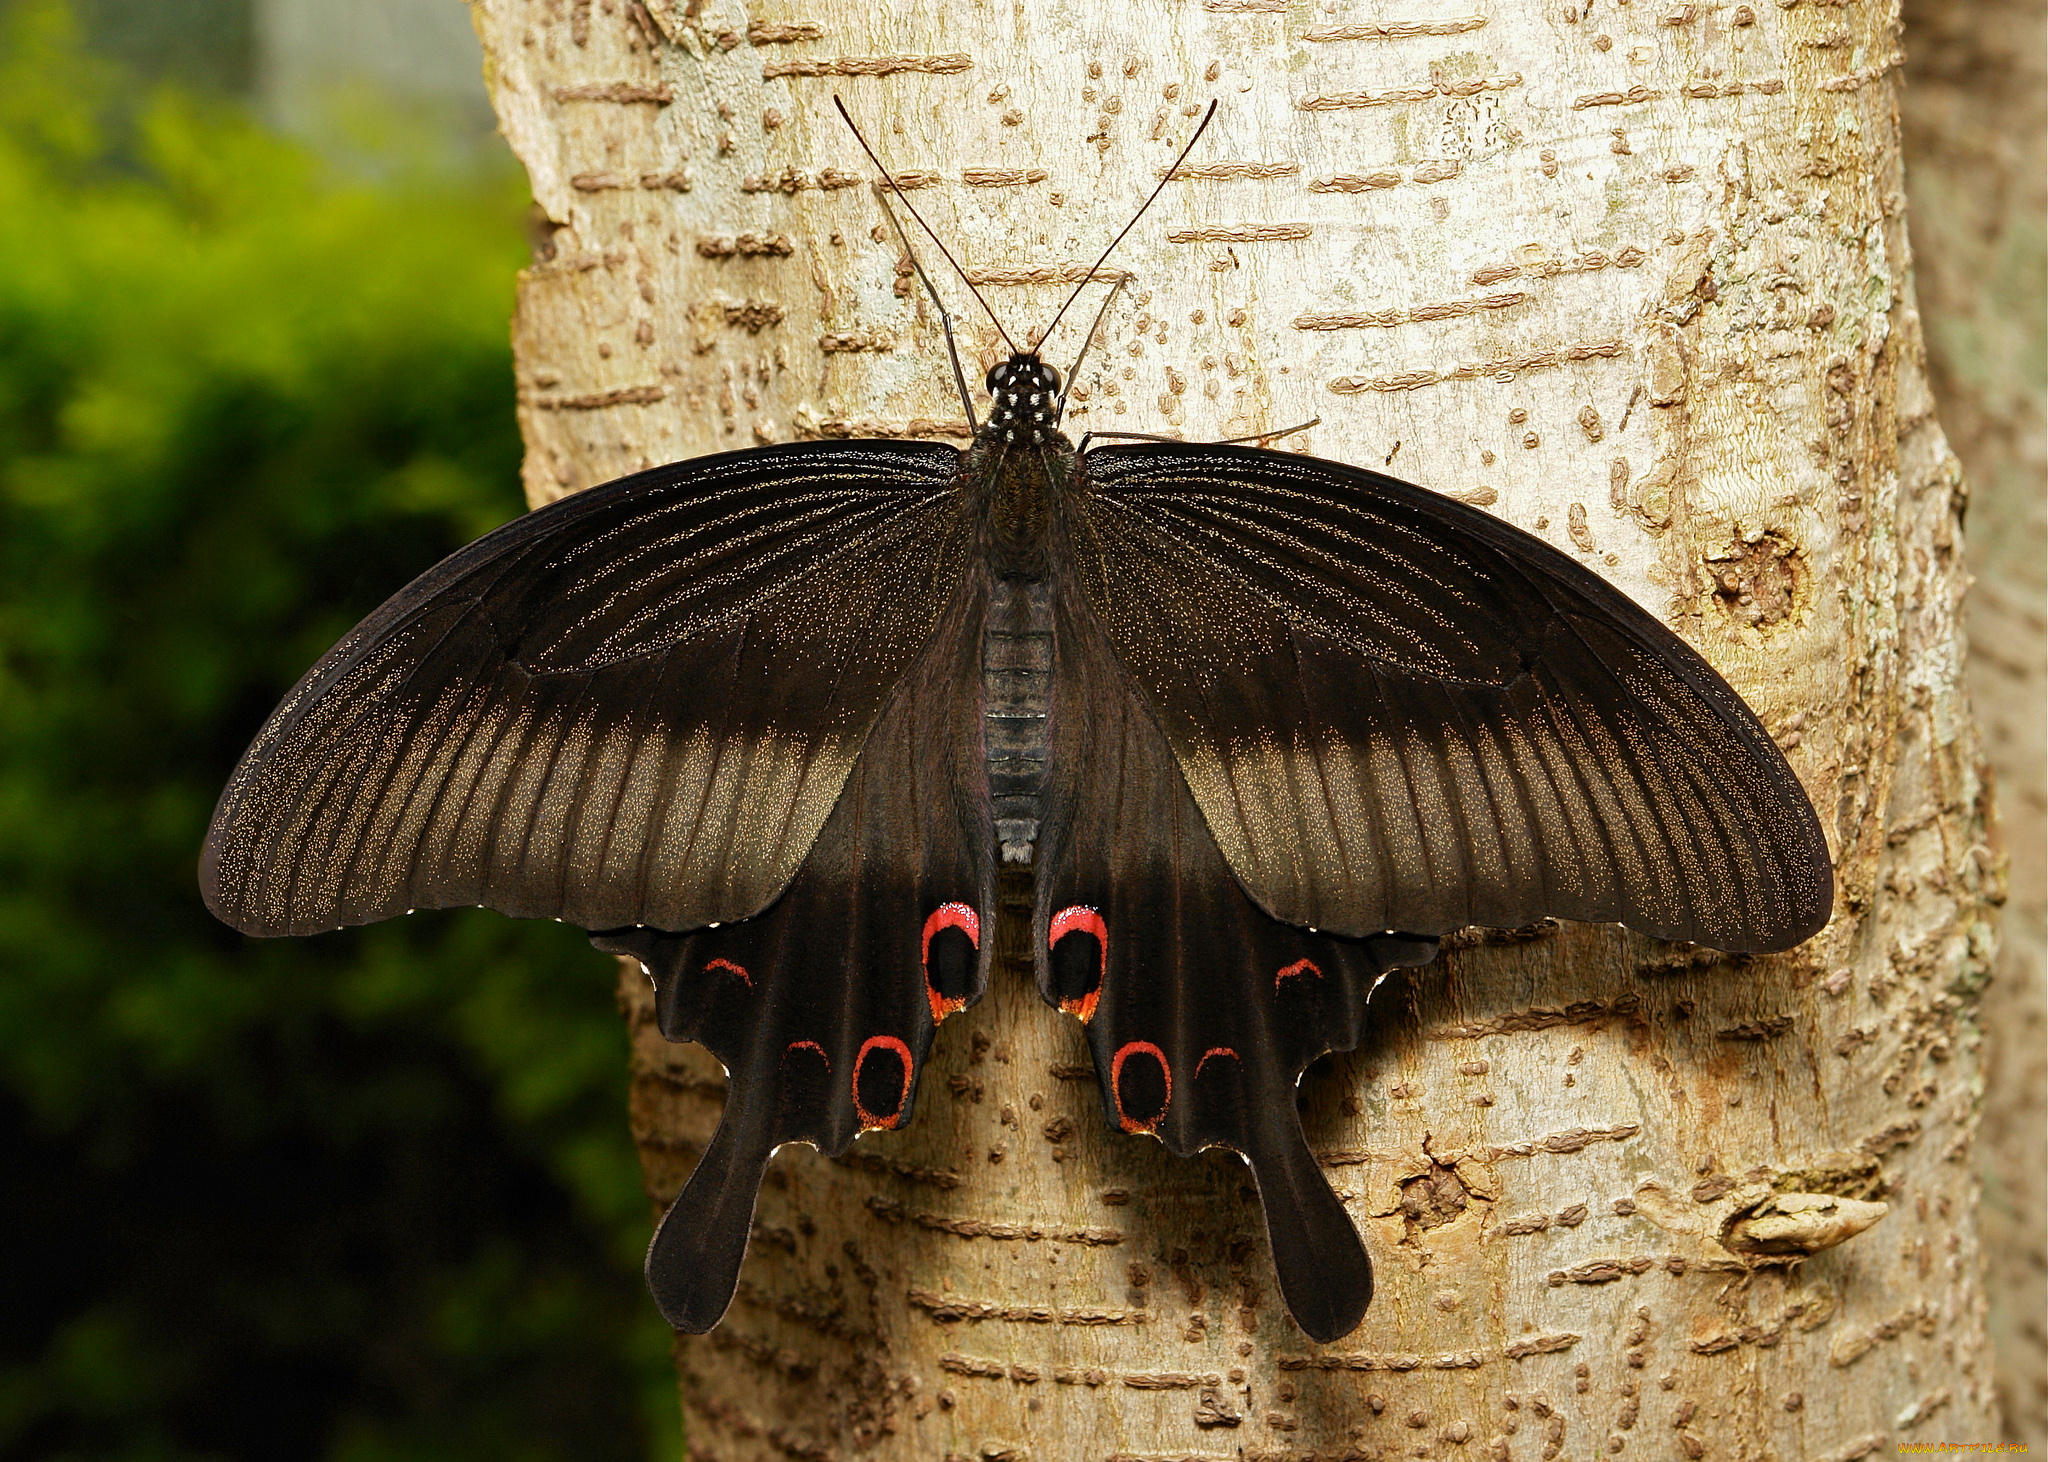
(1018, 462)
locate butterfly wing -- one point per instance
(637, 705)
(822, 1008)
(1396, 712)
(722, 713)
(1201, 1009)
(1302, 706)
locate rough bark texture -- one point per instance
(1633, 276)
(1976, 128)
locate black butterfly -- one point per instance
(1241, 730)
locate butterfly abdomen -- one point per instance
(1016, 692)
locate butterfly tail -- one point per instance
(1325, 1275)
(693, 1264)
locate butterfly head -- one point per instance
(1027, 401)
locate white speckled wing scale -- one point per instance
(1396, 712)
(637, 705)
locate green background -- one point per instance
(363, 1196)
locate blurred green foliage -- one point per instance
(367, 1196)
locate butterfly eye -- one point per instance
(881, 1082)
(998, 375)
(1048, 378)
(1142, 1084)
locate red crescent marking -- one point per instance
(1299, 967)
(952, 916)
(947, 916)
(807, 1046)
(1080, 919)
(1216, 1051)
(868, 1120)
(1116, 1078)
(726, 964)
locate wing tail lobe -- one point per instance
(1325, 1273)
(693, 1261)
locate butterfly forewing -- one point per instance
(635, 706)
(1397, 713)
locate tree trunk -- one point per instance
(1634, 277)
(1976, 132)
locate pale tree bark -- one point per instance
(1976, 132)
(1632, 276)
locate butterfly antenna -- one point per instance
(1074, 374)
(945, 319)
(939, 243)
(1149, 201)
(1270, 436)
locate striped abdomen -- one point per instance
(1016, 680)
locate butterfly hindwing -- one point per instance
(1201, 1009)
(634, 706)
(1397, 712)
(822, 1007)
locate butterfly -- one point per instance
(1222, 734)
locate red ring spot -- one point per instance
(1299, 967)
(807, 1046)
(726, 964)
(947, 916)
(1216, 1051)
(1080, 919)
(1116, 1084)
(868, 1120)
